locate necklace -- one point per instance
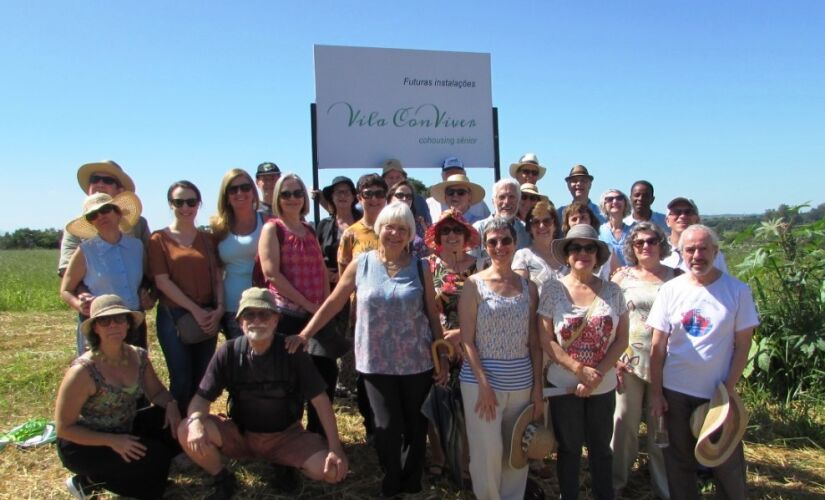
(123, 360)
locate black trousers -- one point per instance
(144, 478)
(328, 369)
(396, 406)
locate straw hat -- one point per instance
(471, 240)
(476, 192)
(108, 305)
(104, 167)
(530, 188)
(127, 202)
(390, 165)
(528, 159)
(259, 298)
(580, 232)
(724, 411)
(529, 439)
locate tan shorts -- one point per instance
(292, 446)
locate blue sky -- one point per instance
(720, 101)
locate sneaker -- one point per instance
(225, 485)
(75, 486)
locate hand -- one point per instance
(334, 277)
(658, 405)
(538, 402)
(443, 374)
(215, 316)
(202, 318)
(583, 390)
(196, 440)
(590, 377)
(486, 404)
(453, 336)
(147, 301)
(294, 342)
(172, 418)
(621, 368)
(335, 467)
(85, 303)
(128, 447)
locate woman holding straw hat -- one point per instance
(583, 327)
(102, 437)
(108, 261)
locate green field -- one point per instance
(29, 281)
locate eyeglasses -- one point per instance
(641, 242)
(529, 171)
(245, 187)
(298, 193)
(105, 179)
(611, 199)
(403, 196)
(118, 319)
(375, 193)
(261, 314)
(678, 212)
(494, 242)
(456, 192)
(547, 221)
(531, 197)
(590, 248)
(446, 230)
(192, 202)
(105, 209)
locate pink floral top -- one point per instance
(302, 263)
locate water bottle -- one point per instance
(660, 437)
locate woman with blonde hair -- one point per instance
(236, 228)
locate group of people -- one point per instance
(580, 319)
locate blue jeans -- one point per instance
(186, 362)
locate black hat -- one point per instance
(267, 168)
(327, 191)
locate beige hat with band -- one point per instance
(85, 172)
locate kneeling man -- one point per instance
(267, 388)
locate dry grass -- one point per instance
(35, 348)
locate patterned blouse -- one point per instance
(448, 287)
(111, 408)
(302, 264)
(356, 240)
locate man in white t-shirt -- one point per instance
(681, 214)
(702, 325)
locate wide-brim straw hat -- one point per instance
(528, 159)
(327, 191)
(580, 232)
(476, 192)
(108, 305)
(531, 188)
(724, 413)
(471, 240)
(257, 298)
(529, 440)
(103, 167)
(127, 202)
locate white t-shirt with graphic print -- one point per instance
(701, 322)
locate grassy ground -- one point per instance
(28, 281)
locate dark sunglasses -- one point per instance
(192, 202)
(376, 193)
(245, 187)
(105, 209)
(547, 221)
(531, 197)
(677, 212)
(529, 171)
(403, 196)
(298, 193)
(641, 242)
(105, 179)
(446, 230)
(590, 248)
(263, 315)
(456, 192)
(494, 242)
(118, 319)
(611, 199)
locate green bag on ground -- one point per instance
(33, 432)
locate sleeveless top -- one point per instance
(237, 253)
(537, 268)
(116, 269)
(392, 333)
(502, 333)
(302, 264)
(111, 408)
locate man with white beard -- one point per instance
(267, 389)
(506, 198)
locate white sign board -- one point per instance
(418, 106)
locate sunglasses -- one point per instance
(117, 319)
(105, 179)
(105, 209)
(446, 230)
(456, 192)
(192, 202)
(677, 212)
(403, 196)
(494, 242)
(547, 221)
(245, 187)
(529, 171)
(298, 193)
(263, 315)
(375, 193)
(611, 199)
(641, 242)
(531, 197)
(590, 248)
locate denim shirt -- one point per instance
(114, 268)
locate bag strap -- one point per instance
(578, 331)
(210, 262)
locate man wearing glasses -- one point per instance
(682, 213)
(267, 175)
(527, 169)
(456, 198)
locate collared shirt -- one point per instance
(655, 217)
(474, 214)
(70, 242)
(114, 268)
